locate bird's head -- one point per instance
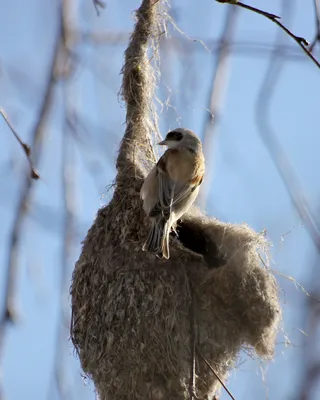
(181, 137)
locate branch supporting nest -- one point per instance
(138, 90)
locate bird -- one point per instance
(171, 187)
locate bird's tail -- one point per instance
(158, 239)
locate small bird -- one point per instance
(171, 187)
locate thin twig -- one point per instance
(25, 147)
(216, 375)
(98, 4)
(302, 42)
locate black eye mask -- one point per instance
(174, 135)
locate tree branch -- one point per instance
(25, 147)
(302, 42)
(7, 314)
(98, 4)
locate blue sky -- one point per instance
(245, 186)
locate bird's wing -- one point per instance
(149, 191)
(185, 190)
(166, 189)
(170, 192)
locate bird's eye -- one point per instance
(174, 135)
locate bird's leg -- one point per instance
(174, 231)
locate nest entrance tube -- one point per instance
(130, 310)
(196, 240)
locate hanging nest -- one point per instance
(146, 328)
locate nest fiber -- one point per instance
(132, 324)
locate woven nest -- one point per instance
(139, 322)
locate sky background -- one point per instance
(244, 185)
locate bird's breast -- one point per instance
(185, 166)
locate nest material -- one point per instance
(131, 322)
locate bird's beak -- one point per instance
(162, 143)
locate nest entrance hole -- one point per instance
(195, 239)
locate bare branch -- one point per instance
(25, 147)
(302, 42)
(12, 265)
(98, 4)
